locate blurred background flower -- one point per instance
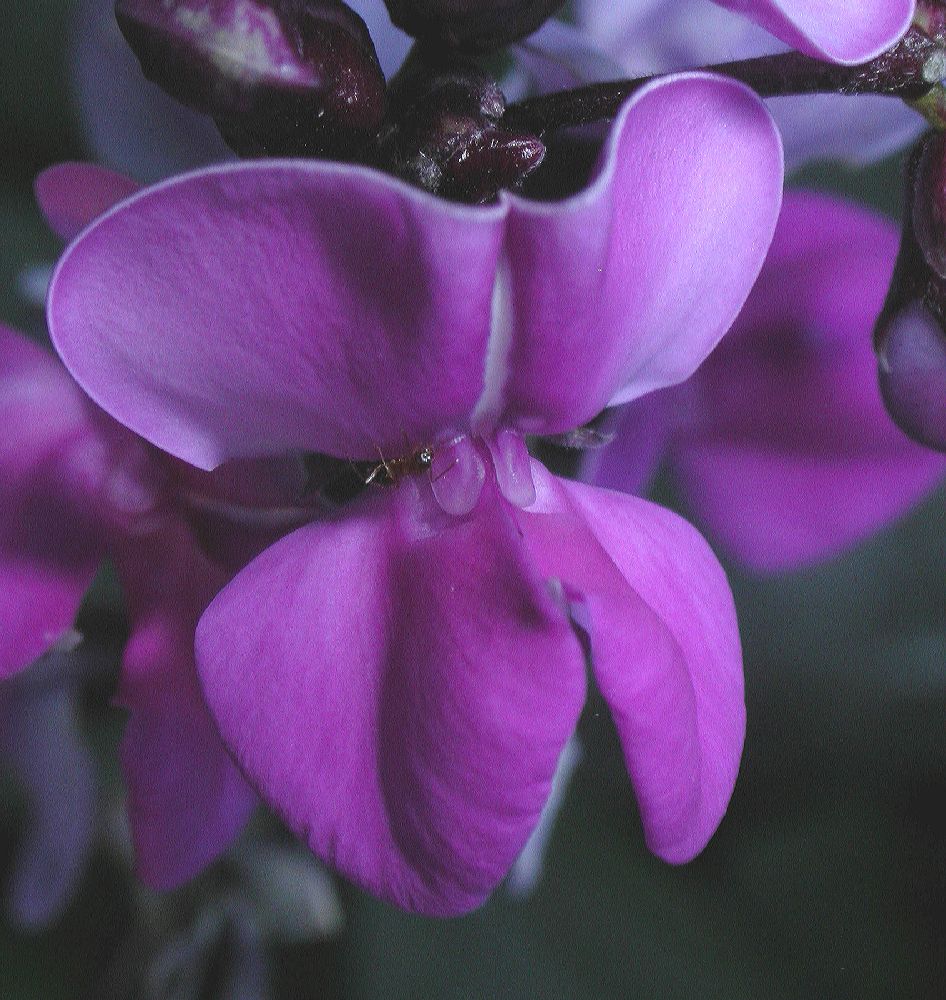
(655, 36)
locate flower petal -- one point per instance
(244, 506)
(186, 799)
(526, 873)
(274, 305)
(789, 406)
(627, 287)
(50, 541)
(642, 432)
(664, 646)
(71, 195)
(557, 57)
(331, 308)
(128, 121)
(661, 36)
(833, 127)
(41, 740)
(399, 686)
(843, 31)
(390, 43)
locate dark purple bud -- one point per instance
(445, 134)
(910, 336)
(913, 374)
(474, 25)
(281, 77)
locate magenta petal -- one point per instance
(50, 542)
(642, 432)
(71, 195)
(244, 506)
(399, 686)
(628, 286)
(844, 31)
(789, 404)
(186, 799)
(664, 647)
(274, 305)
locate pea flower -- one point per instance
(788, 406)
(399, 678)
(77, 486)
(665, 35)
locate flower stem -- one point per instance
(907, 70)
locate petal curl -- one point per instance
(842, 31)
(241, 507)
(664, 646)
(71, 195)
(526, 873)
(627, 287)
(186, 798)
(789, 405)
(51, 542)
(399, 686)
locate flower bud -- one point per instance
(910, 336)
(913, 374)
(444, 132)
(474, 25)
(280, 77)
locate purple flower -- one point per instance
(788, 406)
(76, 486)
(399, 679)
(835, 30)
(658, 36)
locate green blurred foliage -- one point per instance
(827, 878)
(36, 118)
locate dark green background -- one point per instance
(827, 878)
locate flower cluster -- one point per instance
(298, 398)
